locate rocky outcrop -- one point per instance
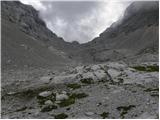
(110, 90)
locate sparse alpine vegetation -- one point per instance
(153, 68)
(74, 85)
(87, 81)
(61, 116)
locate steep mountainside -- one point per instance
(110, 90)
(137, 33)
(26, 41)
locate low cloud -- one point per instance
(79, 21)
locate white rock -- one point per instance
(114, 73)
(60, 97)
(46, 79)
(95, 67)
(116, 65)
(79, 69)
(64, 92)
(89, 113)
(45, 93)
(64, 79)
(100, 74)
(89, 75)
(57, 102)
(11, 93)
(146, 115)
(48, 102)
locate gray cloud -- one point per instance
(79, 21)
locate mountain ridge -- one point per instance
(135, 33)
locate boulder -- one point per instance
(60, 97)
(45, 94)
(48, 102)
(100, 74)
(114, 73)
(89, 113)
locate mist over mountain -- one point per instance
(137, 31)
(27, 41)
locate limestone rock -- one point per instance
(60, 97)
(45, 94)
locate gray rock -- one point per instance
(114, 73)
(60, 97)
(89, 113)
(48, 102)
(45, 93)
(46, 79)
(147, 115)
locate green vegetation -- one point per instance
(74, 85)
(41, 100)
(87, 80)
(71, 99)
(104, 115)
(78, 95)
(67, 102)
(61, 116)
(124, 109)
(153, 68)
(151, 89)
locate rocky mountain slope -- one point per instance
(90, 90)
(136, 33)
(27, 42)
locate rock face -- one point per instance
(27, 42)
(135, 34)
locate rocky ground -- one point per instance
(109, 90)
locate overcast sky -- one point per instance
(79, 21)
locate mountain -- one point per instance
(27, 42)
(136, 33)
(45, 77)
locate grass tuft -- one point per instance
(124, 109)
(104, 115)
(72, 98)
(61, 116)
(74, 85)
(153, 68)
(87, 80)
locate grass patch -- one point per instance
(72, 98)
(67, 102)
(41, 100)
(61, 116)
(78, 95)
(87, 80)
(104, 115)
(124, 109)
(74, 86)
(153, 68)
(151, 89)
